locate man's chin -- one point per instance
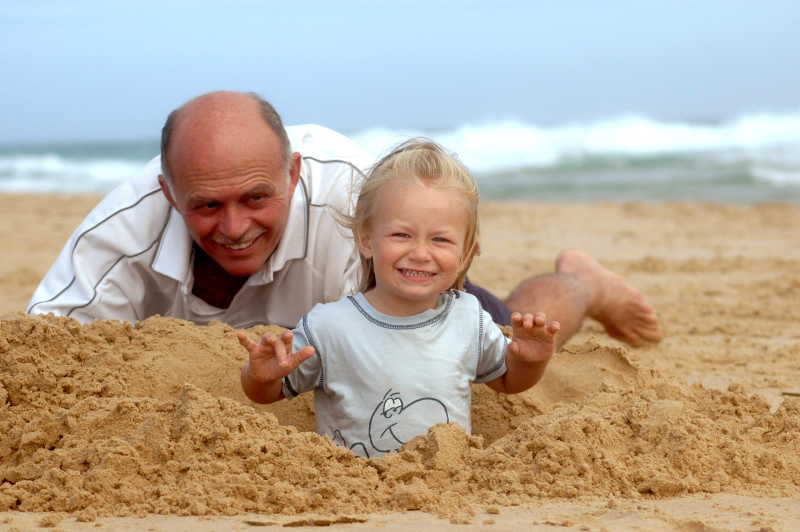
(241, 268)
(243, 265)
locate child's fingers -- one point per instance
(267, 340)
(528, 320)
(553, 327)
(522, 320)
(245, 341)
(304, 354)
(274, 346)
(286, 337)
(288, 361)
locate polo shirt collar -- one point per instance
(174, 254)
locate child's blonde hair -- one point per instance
(425, 162)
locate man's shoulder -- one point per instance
(324, 144)
(135, 207)
(328, 151)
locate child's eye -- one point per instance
(401, 235)
(442, 239)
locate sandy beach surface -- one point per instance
(117, 426)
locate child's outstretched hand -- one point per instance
(272, 359)
(534, 337)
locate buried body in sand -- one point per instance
(113, 419)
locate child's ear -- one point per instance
(364, 243)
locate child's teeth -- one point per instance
(415, 273)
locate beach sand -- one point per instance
(143, 426)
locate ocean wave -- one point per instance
(54, 173)
(759, 150)
(502, 146)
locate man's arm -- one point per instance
(104, 269)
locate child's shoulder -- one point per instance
(325, 319)
(329, 308)
(464, 299)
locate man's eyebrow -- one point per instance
(263, 188)
(195, 200)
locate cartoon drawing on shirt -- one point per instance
(390, 419)
(338, 439)
(388, 428)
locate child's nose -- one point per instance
(420, 252)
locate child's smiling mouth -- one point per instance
(416, 275)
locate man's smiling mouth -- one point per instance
(237, 245)
(240, 245)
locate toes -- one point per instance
(652, 334)
(624, 336)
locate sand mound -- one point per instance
(111, 418)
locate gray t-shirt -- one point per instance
(381, 380)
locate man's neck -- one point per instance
(212, 283)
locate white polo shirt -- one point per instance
(132, 256)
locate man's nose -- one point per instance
(234, 224)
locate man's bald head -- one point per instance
(227, 169)
(217, 113)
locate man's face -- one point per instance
(235, 200)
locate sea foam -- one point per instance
(509, 157)
(507, 145)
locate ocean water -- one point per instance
(753, 158)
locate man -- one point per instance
(236, 227)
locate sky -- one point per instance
(94, 70)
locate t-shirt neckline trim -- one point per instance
(415, 321)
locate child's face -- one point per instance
(416, 243)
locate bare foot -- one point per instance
(615, 303)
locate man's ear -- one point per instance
(294, 171)
(167, 191)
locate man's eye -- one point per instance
(206, 206)
(257, 199)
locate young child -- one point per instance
(398, 357)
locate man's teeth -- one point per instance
(417, 273)
(240, 245)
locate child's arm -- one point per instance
(270, 361)
(528, 353)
